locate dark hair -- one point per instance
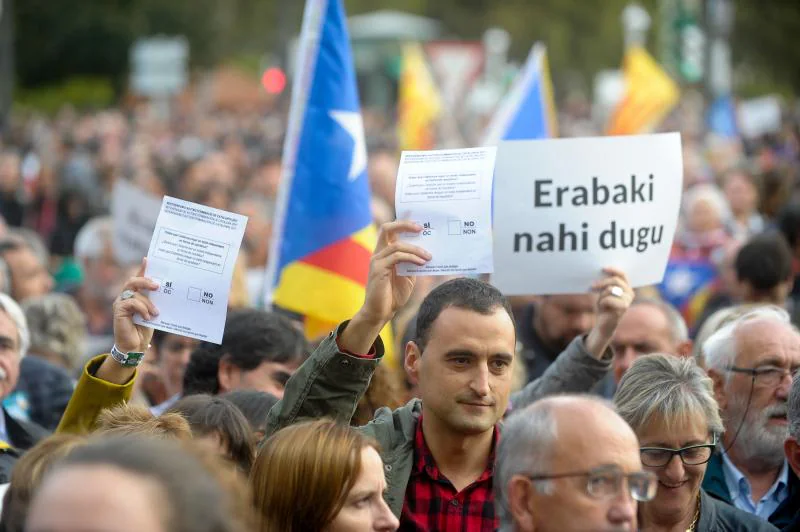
(764, 261)
(254, 405)
(789, 223)
(251, 338)
(158, 337)
(463, 293)
(214, 415)
(196, 501)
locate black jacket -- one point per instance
(717, 516)
(23, 436)
(536, 356)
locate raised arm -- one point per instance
(105, 382)
(587, 359)
(332, 381)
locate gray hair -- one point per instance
(720, 349)
(668, 388)
(526, 447)
(710, 194)
(58, 326)
(10, 307)
(93, 237)
(678, 330)
(794, 408)
(32, 240)
(715, 322)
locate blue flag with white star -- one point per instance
(322, 233)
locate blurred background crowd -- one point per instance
(109, 106)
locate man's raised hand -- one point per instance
(386, 291)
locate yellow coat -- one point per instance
(91, 396)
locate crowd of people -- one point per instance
(618, 409)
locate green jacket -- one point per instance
(330, 384)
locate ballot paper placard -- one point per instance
(448, 193)
(192, 256)
(566, 208)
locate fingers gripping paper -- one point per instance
(566, 208)
(192, 257)
(448, 193)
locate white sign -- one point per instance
(448, 193)
(566, 208)
(159, 66)
(759, 116)
(135, 213)
(192, 256)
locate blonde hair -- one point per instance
(131, 419)
(28, 474)
(303, 473)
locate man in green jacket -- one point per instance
(438, 451)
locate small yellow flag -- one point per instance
(419, 101)
(650, 94)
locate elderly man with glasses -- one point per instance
(569, 463)
(751, 361)
(669, 403)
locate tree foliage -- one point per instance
(59, 38)
(764, 38)
(56, 39)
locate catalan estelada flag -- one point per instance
(323, 232)
(687, 285)
(419, 102)
(528, 110)
(649, 95)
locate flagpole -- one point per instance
(313, 19)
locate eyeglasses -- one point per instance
(605, 482)
(767, 376)
(690, 455)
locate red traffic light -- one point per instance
(273, 80)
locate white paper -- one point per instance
(448, 192)
(135, 213)
(759, 116)
(192, 256)
(550, 248)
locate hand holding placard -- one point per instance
(448, 193)
(192, 257)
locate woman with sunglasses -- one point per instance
(669, 403)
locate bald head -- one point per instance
(563, 435)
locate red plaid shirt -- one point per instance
(432, 502)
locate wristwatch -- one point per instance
(130, 360)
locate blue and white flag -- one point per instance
(527, 111)
(323, 235)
